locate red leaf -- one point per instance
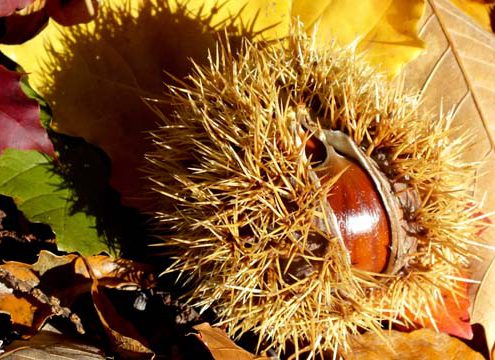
(453, 318)
(20, 126)
(8, 7)
(20, 28)
(71, 12)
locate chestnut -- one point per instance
(366, 214)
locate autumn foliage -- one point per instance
(82, 85)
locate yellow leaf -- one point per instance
(479, 11)
(386, 29)
(456, 76)
(267, 19)
(393, 42)
(346, 22)
(309, 11)
(95, 75)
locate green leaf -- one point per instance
(39, 192)
(45, 111)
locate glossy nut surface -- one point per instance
(358, 207)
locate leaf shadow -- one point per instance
(97, 84)
(85, 170)
(95, 88)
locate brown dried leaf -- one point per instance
(48, 345)
(457, 73)
(419, 344)
(63, 279)
(108, 271)
(26, 313)
(220, 345)
(124, 338)
(21, 311)
(21, 271)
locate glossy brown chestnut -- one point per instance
(358, 207)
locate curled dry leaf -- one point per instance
(220, 345)
(21, 311)
(123, 337)
(456, 74)
(114, 273)
(63, 279)
(27, 306)
(419, 344)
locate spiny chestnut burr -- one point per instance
(286, 172)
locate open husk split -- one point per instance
(247, 210)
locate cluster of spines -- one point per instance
(239, 190)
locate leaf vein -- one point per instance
(460, 103)
(478, 60)
(425, 24)
(433, 70)
(435, 8)
(23, 171)
(473, 39)
(489, 89)
(460, 18)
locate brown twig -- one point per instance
(27, 289)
